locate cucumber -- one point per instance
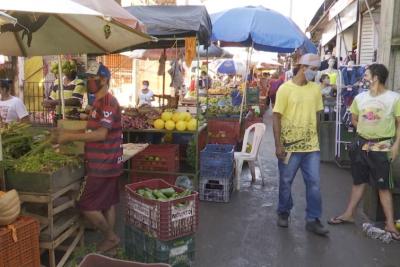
(148, 195)
(168, 192)
(141, 192)
(159, 195)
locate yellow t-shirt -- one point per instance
(76, 89)
(298, 106)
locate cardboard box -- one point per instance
(74, 148)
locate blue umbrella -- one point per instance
(260, 27)
(230, 66)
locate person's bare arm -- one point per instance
(354, 119)
(94, 136)
(396, 144)
(279, 148)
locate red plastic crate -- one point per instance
(163, 157)
(223, 131)
(25, 251)
(141, 176)
(165, 220)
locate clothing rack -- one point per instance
(343, 139)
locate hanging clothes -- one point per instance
(190, 50)
(161, 65)
(176, 73)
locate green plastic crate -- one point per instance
(143, 248)
(252, 96)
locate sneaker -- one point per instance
(316, 227)
(283, 220)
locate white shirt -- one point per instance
(145, 98)
(12, 109)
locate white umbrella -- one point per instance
(5, 19)
(49, 27)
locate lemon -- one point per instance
(170, 125)
(187, 116)
(182, 116)
(166, 116)
(181, 125)
(159, 124)
(176, 117)
(192, 124)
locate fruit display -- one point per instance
(67, 67)
(164, 194)
(170, 120)
(221, 107)
(139, 118)
(219, 91)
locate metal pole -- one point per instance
(163, 79)
(61, 86)
(249, 53)
(291, 8)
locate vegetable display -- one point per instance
(164, 194)
(139, 118)
(28, 149)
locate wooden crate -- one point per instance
(43, 182)
(60, 224)
(77, 147)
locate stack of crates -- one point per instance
(216, 172)
(160, 231)
(158, 158)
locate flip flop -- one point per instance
(395, 235)
(337, 221)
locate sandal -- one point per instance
(337, 221)
(395, 235)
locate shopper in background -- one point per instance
(274, 85)
(263, 84)
(146, 96)
(376, 115)
(205, 83)
(295, 124)
(11, 108)
(74, 91)
(103, 155)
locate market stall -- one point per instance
(174, 132)
(48, 178)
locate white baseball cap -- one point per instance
(310, 60)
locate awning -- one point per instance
(343, 21)
(169, 23)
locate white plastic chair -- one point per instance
(251, 158)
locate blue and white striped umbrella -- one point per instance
(230, 66)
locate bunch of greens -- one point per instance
(47, 161)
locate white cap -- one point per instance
(310, 60)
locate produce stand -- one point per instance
(172, 25)
(199, 135)
(47, 183)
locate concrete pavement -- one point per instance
(243, 233)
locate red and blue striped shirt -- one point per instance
(104, 158)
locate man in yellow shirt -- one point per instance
(74, 91)
(295, 121)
